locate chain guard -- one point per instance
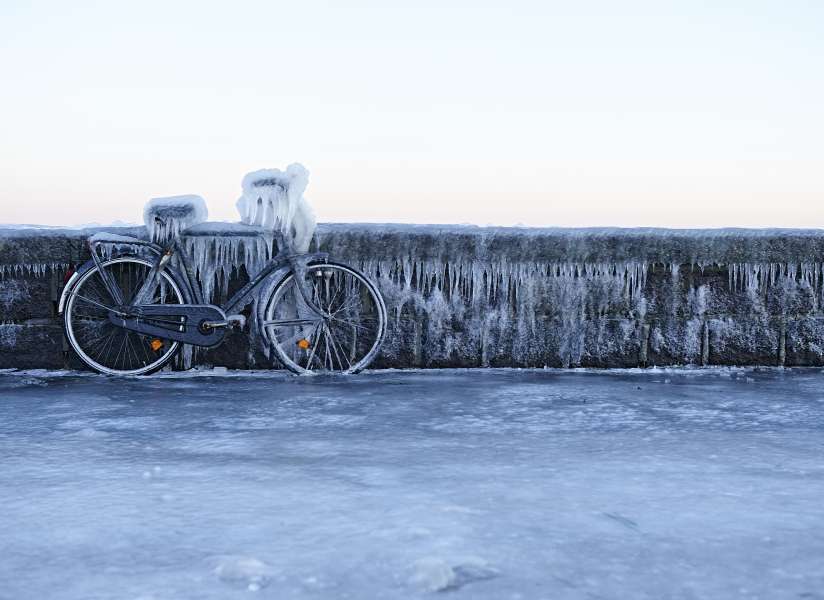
(160, 320)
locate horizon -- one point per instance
(534, 114)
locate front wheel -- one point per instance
(343, 334)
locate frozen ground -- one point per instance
(475, 484)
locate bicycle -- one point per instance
(128, 312)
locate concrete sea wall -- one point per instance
(475, 297)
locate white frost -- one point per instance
(273, 199)
(34, 269)
(215, 257)
(435, 574)
(166, 218)
(432, 574)
(102, 236)
(246, 571)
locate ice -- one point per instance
(495, 294)
(102, 236)
(224, 229)
(109, 245)
(758, 276)
(273, 199)
(8, 335)
(32, 269)
(465, 295)
(175, 214)
(489, 295)
(245, 571)
(13, 291)
(433, 574)
(481, 484)
(216, 257)
(436, 574)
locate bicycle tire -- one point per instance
(364, 340)
(134, 347)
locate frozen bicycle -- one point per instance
(128, 312)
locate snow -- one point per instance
(482, 484)
(273, 199)
(177, 213)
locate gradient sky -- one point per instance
(543, 113)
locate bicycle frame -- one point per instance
(131, 314)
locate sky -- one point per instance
(544, 113)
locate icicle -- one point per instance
(274, 200)
(31, 269)
(166, 218)
(216, 257)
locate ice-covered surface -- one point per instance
(166, 217)
(475, 296)
(597, 244)
(215, 257)
(102, 236)
(273, 199)
(217, 249)
(221, 228)
(475, 484)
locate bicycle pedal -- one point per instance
(236, 321)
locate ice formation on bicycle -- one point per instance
(274, 200)
(131, 307)
(166, 218)
(271, 201)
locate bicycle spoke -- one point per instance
(347, 336)
(331, 337)
(292, 339)
(338, 288)
(314, 346)
(349, 303)
(101, 343)
(350, 324)
(90, 301)
(289, 322)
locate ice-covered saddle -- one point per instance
(273, 199)
(166, 218)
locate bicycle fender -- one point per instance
(89, 264)
(70, 284)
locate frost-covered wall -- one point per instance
(469, 296)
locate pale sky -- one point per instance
(595, 112)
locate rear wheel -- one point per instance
(348, 335)
(103, 345)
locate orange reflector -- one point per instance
(303, 344)
(156, 344)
